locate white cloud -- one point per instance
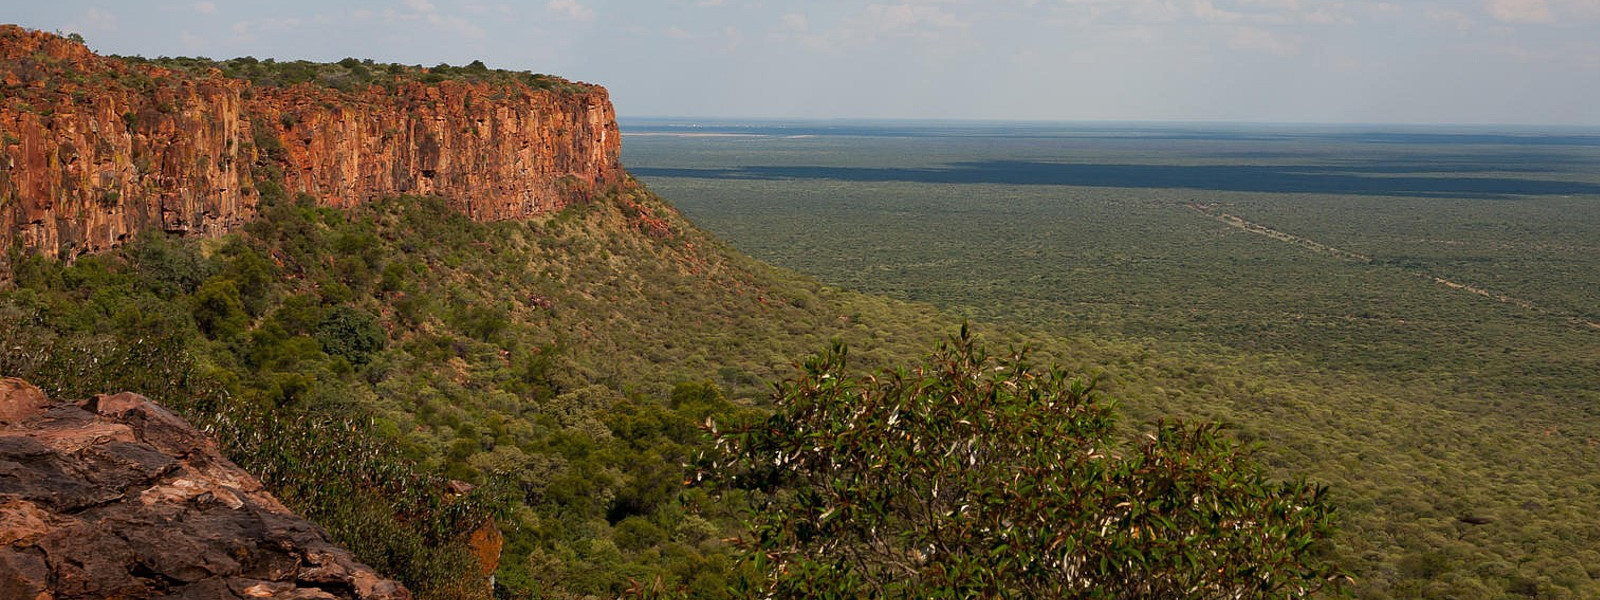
(99, 19)
(423, 11)
(249, 31)
(1253, 39)
(794, 22)
(1224, 12)
(1282, 12)
(1273, 4)
(678, 33)
(192, 42)
(456, 25)
(1570, 10)
(878, 22)
(1518, 52)
(479, 8)
(1457, 18)
(571, 9)
(1157, 10)
(1263, 12)
(1208, 12)
(205, 8)
(1213, 12)
(732, 37)
(1327, 16)
(895, 18)
(1520, 11)
(705, 3)
(93, 20)
(1127, 36)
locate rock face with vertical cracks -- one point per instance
(116, 497)
(94, 149)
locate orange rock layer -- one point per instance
(94, 149)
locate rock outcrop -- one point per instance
(116, 497)
(94, 149)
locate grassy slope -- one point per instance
(542, 358)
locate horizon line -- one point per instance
(1592, 128)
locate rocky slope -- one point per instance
(115, 497)
(94, 149)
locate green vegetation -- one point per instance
(357, 360)
(40, 78)
(1427, 409)
(973, 476)
(132, 323)
(564, 364)
(360, 360)
(350, 74)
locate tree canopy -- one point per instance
(978, 476)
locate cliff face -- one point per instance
(115, 497)
(93, 149)
(494, 154)
(89, 153)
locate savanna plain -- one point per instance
(1408, 314)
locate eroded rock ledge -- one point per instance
(117, 497)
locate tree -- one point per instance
(974, 476)
(218, 310)
(350, 333)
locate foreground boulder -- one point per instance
(117, 497)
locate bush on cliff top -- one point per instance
(351, 74)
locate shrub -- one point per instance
(350, 333)
(218, 309)
(980, 477)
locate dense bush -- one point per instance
(973, 476)
(323, 463)
(540, 360)
(352, 74)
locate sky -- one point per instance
(1534, 62)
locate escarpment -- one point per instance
(94, 149)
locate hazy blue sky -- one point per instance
(1400, 61)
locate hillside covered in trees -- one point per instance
(358, 359)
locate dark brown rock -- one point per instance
(23, 574)
(117, 497)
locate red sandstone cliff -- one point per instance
(94, 149)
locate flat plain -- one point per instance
(1410, 314)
